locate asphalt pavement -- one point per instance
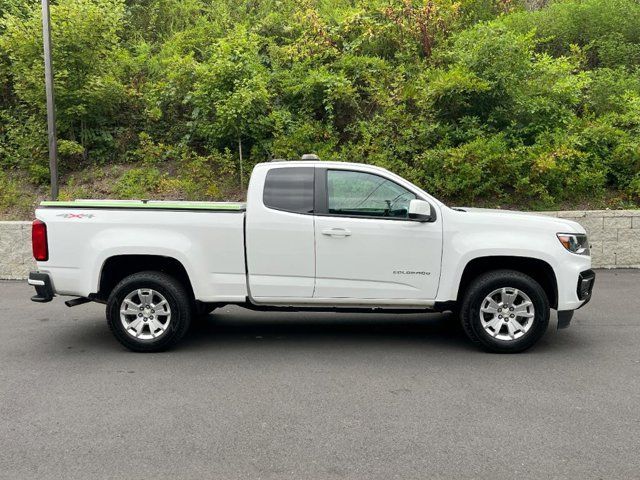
(319, 396)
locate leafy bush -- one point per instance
(470, 171)
(138, 183)
(15, 202)
(9, 192)
(604, 27)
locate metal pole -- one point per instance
(240, 153)
(51, 107)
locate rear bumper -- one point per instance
(43, 286)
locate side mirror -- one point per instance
(421, 211)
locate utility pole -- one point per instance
(240, 154)
(51, 107)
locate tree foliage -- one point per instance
(478, 101)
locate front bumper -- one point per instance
(43, 286)
(584, 289)
(586, 280)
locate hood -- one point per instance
(517, 218)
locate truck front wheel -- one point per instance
(149, 311)
(505, 311)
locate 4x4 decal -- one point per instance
(76, 215)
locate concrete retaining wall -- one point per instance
(15, 250)
(614, 236)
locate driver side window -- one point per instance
(365, 194)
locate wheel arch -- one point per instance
(536, 268)
(118, 267)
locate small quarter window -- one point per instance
(289, 189)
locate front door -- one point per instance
(367, 248)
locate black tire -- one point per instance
(177, 297)
(484, 285)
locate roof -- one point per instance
(320, 163)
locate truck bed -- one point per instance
(206, 238)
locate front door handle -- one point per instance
(336, 232)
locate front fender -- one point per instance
(463, 248)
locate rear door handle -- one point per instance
(336, 232)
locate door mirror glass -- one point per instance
(421, 211)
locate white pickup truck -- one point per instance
(312, 235)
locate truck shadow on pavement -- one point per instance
(317, 329)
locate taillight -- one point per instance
(39, 241)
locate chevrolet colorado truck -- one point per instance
(312, 235)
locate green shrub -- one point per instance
(471, 171)
(624, 164)
(634, 187)
(16, 203)
(138, 183)
(608, 28)
(9, 192)
(609, 89)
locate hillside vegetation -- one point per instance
(480, 102)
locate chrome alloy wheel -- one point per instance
(145, 314)
(507, 313)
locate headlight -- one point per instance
(575, 242)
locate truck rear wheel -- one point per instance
(149, 311)
(505, 311)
